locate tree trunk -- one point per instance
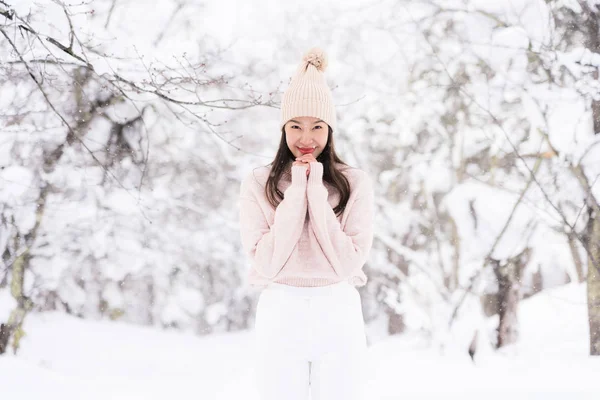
(455, 240)
(395, 324)
(592, 42)
(576, 257)
(13, 328)
(593, 226)
(508, 274)
(593, 282)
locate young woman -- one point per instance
(306, 224)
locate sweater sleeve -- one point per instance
(270, 247)
(347, 250)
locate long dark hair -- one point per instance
(331, 174)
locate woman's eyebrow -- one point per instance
(298, 122)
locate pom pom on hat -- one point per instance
(317, 57)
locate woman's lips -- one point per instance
(306, 151)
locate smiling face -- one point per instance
(306, 133)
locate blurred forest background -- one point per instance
(126, 127)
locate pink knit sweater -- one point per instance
(302, 242)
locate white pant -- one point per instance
(310, 336)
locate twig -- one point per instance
(7, 13)
(159, 38)
(110, 11)
(69, 51)
(187, 103)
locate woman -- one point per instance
(306, 223)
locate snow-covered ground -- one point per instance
(67, 358)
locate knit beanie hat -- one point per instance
(308, 94)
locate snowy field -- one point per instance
(66, 358)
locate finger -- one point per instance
(306, 158)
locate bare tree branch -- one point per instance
(7, 13)
(110, 12)
(209, 103)
(160, 36)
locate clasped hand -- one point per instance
(305, 159)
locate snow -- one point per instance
(16, 182)
(70, 358)
(7, 304)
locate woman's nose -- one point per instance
(306, 135)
